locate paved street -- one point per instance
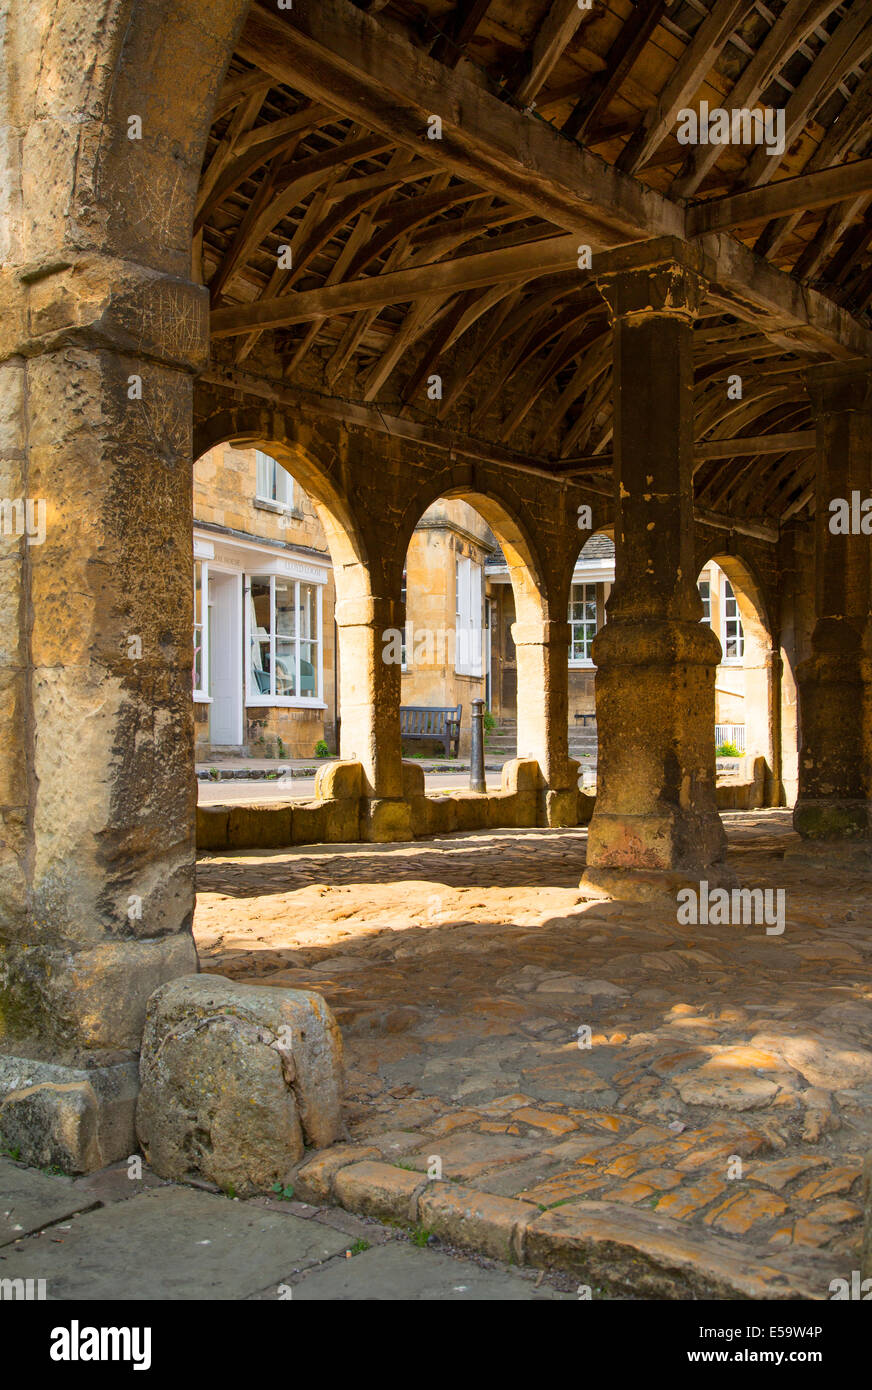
(303, 788)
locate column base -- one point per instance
(826, 856)
(384, 820)
(659, 887)
(559, 807)
(831, 819)
(76, 1119)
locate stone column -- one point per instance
(763, 719)
(656, 816)
(543, 716)
(835, 682)
(97, 793)
(369, 701)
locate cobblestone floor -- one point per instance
(728, 1081)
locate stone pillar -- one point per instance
(835, 682)
(543, 716)
(763, 718)
(97, 793)
(369, 700)
(656, 817)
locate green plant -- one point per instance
(420, 1236)
(284, 1191)
(359, 1246)
(230, 1191)
(489, 722)
(280, 747)
(6, 1151)
(321, 749)
(728, 750)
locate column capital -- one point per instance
(103, 303)
(663, 278)
(837, 388)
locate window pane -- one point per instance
(285, 614)
(308, 670)
(258, 617)
(286, 631)
(198, 625)
(308, 611)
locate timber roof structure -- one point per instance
(396, 192)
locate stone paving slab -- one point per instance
(171, 1243)
(30, 1200)
(400, 1272)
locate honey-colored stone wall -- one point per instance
(449, 530)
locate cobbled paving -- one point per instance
(727, 1084)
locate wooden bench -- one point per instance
(418, 722)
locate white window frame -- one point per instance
(581, 663)
(201, 692)
(468, 616)
(731, 621)
(256, 697)
(273, 485)
(404, 637)
(706, 600)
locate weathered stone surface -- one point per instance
(634, 1252)
(462, 1216)
(380, 1190)
(68, 1118)
(235, 1079)
(31, 1200)
(866, 1253)
(175, 1243)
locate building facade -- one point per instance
(264, 668)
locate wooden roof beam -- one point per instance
(400, 286)
(796, 21)
(687, 78)
(833, 185)
(338, 53)
(600, 89)
(556, 32)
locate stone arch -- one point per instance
(582, 680)
(541, 677)
(309, 459)
(368, 690)
(505, 513)
(761, 667)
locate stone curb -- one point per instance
(621, 1251)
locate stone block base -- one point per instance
(77, 1119)
(384, 820)
(236, 1080)
(658, 886)
(826, 856)
(818, 818)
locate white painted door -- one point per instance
(225, 658)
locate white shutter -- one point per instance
(475, 619)
(284, 486)
(265, 466)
